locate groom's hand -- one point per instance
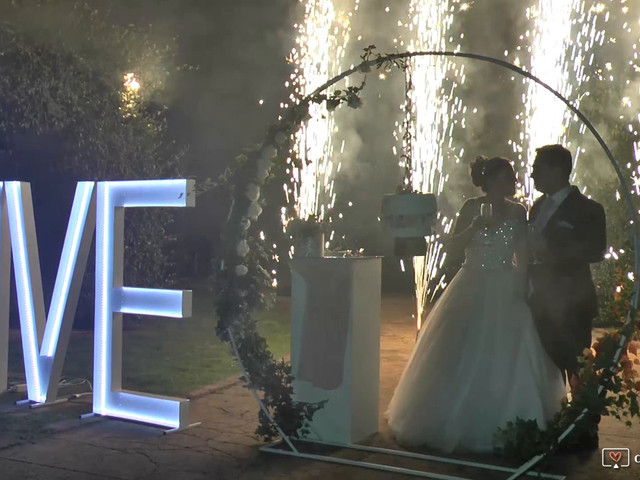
(540, 247)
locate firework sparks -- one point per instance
(321, 46)
(562, 33)
(130, 95)
(558, 48)
(633, 125)
(131, 83)
(430, 109)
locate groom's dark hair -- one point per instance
(556, 156)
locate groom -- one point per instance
(567, 234)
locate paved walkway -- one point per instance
(53, 443)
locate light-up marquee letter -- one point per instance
(44, 341)
(113, 299)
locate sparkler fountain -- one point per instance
(320, 49)
(433, 103)
(327, 28)
(431, 109)
(561, 35)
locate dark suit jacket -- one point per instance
(564, 297)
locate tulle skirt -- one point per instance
(477, 364)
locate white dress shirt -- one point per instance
(549, 206)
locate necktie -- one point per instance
(546, 210)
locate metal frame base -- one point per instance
(399, 453)
(164, 432)
(57, 401)
(180, 429)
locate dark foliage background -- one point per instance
(65, 117)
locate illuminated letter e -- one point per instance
(113, 299)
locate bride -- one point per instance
(478, 361)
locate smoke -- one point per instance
(229, 55)
(370, 168)
(493, 96)
(364, 137)
(613, 99)
(491, 118)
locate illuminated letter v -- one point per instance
(44, 341)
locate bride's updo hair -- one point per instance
(483, 169)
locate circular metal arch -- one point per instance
(380, 60)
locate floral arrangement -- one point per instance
(244, 282)
(606, 385)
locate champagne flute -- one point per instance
(486, 211)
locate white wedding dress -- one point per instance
(478, 361)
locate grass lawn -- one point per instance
(168, 356)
